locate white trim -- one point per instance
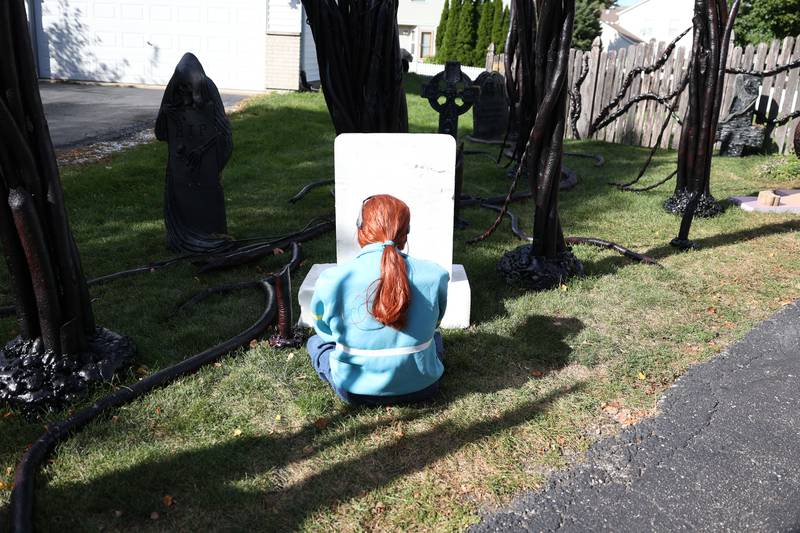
(387, 352)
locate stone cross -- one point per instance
(453, 86)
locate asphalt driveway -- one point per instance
(80, 114)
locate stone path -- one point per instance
(722, 455)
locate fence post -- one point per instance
(489, 64)
(589, 88)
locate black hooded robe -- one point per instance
(192, 120)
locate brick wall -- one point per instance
(283, 61)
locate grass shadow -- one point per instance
(229, 503)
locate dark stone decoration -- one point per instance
(458, 93)
(707, 206)
(360, 64)
(713, 24)
(521, 267)
(59, 350)
(193, 122)
(36, 378)
(490, 116)
(736, 131)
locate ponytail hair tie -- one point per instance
(388, 243)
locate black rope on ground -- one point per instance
(480, 152)
(630, 254)
(308, 188)
(650, 187)
(22, 496)
(625, 186)
(589, 241)
(294, 262)
(515, 229)
(599, 160)
(256, 252)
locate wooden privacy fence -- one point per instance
(641, 124)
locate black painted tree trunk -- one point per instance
(713, 23)
(361, 69)
(54, 313)
(538, 50)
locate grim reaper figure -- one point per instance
(193, 122)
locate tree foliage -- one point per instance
(484, 33)
(464, 47)
(587, 23)
(764, 20)
(448, 44)
(441, 29)
(504, 30)
(467, 28)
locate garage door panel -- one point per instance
(141, 42)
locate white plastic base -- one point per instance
(458, 298)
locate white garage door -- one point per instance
(141, 41)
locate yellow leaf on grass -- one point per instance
(237, 432)
(642, 376)
(168, 501)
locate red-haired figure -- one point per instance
(376, 316)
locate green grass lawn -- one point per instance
(259, 443)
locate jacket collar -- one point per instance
(374, 247)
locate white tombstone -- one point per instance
(419, 169)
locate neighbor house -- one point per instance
(248, 45)
(418, 20)
(646, 20)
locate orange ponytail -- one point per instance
(385, 219)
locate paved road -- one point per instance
(80, 114)
(723, 455)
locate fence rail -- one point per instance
(432, 69)
(641, 124)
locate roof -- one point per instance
(621, 10)
(610, 17)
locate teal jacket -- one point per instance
(371, 358)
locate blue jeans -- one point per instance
(320, 359)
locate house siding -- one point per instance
(659, 20)
(141, 41)
(283, 61)
(309, 61)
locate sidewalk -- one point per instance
(722, 455)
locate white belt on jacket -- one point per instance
(385, 352)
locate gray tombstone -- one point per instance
(736, 131)
(490, 115)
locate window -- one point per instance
(425, 44)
